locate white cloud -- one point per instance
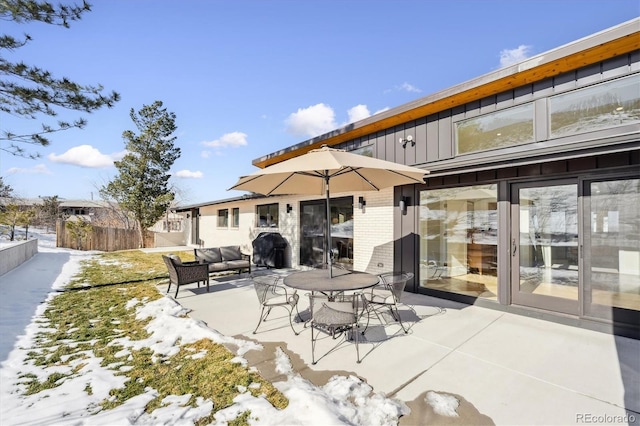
(188, 174)
(86, 156)
(40, 169)
(404, 87)
(233, 139)
(512, 56)
(358, 112)
(409, 88)
(312, 121)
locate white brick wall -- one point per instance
(373, 228)
(373, 232)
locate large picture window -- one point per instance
(499, 129)
(605, 105)
(267, 215)
(459, 240)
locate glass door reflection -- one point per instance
(545, 247)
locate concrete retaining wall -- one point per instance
(15, 254)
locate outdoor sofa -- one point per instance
(219, 259)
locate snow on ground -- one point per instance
(343, 400)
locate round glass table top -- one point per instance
(341, 280)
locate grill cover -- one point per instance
(268, 249)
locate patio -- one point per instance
(504, 368)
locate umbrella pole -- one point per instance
(328, 242)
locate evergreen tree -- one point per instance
(79, 230)
(5, 190)
(25, 219)
(31, 92)
(50, 211)
(11, 216)
(141, 187)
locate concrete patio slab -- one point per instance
(504, 368)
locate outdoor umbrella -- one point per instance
(312, 172)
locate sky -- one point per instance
(343, 400)
(246, 78)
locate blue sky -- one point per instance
(246, 78)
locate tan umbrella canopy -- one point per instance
(311, 173)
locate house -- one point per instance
(531, 204)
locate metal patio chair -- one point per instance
(271, 294)
(387, 295)
(335, 317)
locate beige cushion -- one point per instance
(232, 264)
(230, 253)
(211, 255)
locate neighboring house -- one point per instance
(531, 204)
(168, 231)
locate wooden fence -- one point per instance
(102, 239)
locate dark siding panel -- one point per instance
(554, 167)
(578, 164)
(389, 145)
(565, 81)
(504, 99)
(523, 94)
(488, 104)
(409, 234)
(634, 60)
(507, 173)
(445, 140)
(472, 109)
(410, 149)
(421, 141)
(436, 181)
(589, 75)
(468, 178)
(380, 145)
(614, 160)
(486, 175)
(398, 152)
(543, 88)
(530, 170)
(615, 67)
(450, 180)
(433, 147)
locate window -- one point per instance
(367, 151)
(267, 215)
(223, 218)
(498, 129)
(171, 225)
(235, 217)
(605, 105)
(459, 240)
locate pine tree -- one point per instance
(31, 92)
(141, 187)
(5, 190)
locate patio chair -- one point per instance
(185, 272)
(387, 295)
(335, 317)
(271, 294)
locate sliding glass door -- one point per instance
(612, 249)
(544, 246)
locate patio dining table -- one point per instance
(318, 280)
